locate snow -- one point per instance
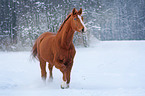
(107, 68)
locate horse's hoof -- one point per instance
(64, 85)
(50, 79)
(43, 78)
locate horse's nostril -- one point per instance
(83, 30)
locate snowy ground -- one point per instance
(108, 68)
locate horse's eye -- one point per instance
(75, 18)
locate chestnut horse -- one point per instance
(58, 49)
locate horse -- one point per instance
(58, 49)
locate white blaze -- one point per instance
(82, 22)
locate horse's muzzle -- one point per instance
(83, 30)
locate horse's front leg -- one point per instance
(66, 76)
(65, 67)
(64, 84)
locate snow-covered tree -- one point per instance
(22, 21)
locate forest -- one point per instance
(22, 21)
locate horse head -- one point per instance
(77, 21)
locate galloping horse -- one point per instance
(58, 49)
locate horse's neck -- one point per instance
(65, 36)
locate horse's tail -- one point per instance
(34, 50)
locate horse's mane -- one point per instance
(64, 22)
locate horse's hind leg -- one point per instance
(43, 69)
(50, 66)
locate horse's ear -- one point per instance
(74, 11)
(80, 11)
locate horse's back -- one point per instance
(47, 34)
(44, 36)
